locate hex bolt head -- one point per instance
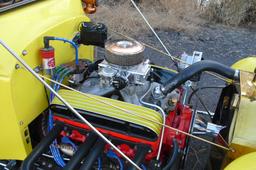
(17, 66)
(24, 52)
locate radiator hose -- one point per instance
(174, 156)
(197, 68)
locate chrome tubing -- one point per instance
(163, 116)
(28, 68)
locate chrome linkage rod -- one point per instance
(28, 68)
(152, 29)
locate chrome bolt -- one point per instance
(38, 69)
(17, 66)
(24, 52)
(21, 123)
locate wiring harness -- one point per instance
(60, 73)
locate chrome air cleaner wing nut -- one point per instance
(124, 52)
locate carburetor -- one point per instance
(124, 64)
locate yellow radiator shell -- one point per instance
(247, 64)
(242, 136)
(22, 96)
(246, 162)
(80, 101)
(242, 133)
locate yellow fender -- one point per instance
(243, 135)
(22, 97)
(247, 64)
(246, 162)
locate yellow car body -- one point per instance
(22, 96)
(242, 136)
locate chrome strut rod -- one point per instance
(164, 120)
(152, 29)
(28, 68)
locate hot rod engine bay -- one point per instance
(121, 95)
(135, 104)
(115, 113)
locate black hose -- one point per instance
(96, 150)
(142, 151)
(41, 147)
(197, 68)
(82, 151)
(94, 66)
(173, 158)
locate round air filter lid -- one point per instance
(124, 52)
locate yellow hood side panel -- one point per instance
(22, 96)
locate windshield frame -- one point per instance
(16, 5)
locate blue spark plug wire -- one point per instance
(60, 74)
(99, 163)
(112, 154)
(66, 140)
(73, 44)
(143, 167)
